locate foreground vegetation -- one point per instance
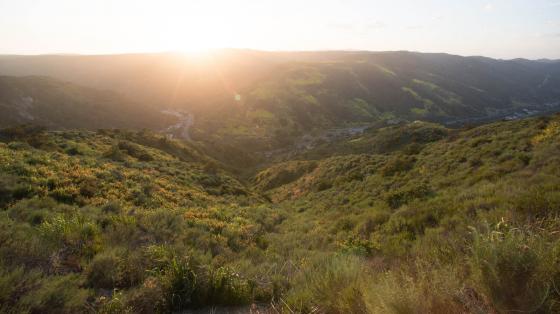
(407, 219)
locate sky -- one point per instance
(494, 28)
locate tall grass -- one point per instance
(331, 285)
(517, 268)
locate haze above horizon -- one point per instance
(499, 28)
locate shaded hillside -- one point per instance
(388, 81)
(168, 79)
(410, 137)
(56, 104)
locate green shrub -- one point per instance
(72, 232)
(179, 282)
(6, 190)
(115, 305)
(121, 229)
(22, 245)
(397, 165)
(539, 201)
(411, 219)
(66, 194)
(88, 188)
(223, 286)
(77, 149)
(432, 290)
(397, 198)
(115, 153)
(56, 294)
(135, 151)
(331, 285)
(517, 269)
(358, 246)
(323, 185)
(282, 174)
(131, 268)
(147, 298)
(14, 285)
(103, 271)
(21, 132)
(372, 222)
(12, 189)
(112, 207)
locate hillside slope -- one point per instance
(265, 100)
(55, 104)
(408, 218)
(447, 225)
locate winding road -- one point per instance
(180, 129)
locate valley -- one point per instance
(303, 182)
(509, 115)
(280, 157)
(181, 129)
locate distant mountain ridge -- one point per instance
(264, 100)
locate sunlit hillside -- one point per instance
(263, 101)
(280, 157)
(425, 218)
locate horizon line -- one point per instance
(210, 50)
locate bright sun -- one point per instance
(194, 27)
(198, 33)
(196, 45)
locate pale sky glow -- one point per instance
(498, 28)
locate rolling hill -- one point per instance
(56, 104)
(305, 182)
(265, 100)
(415, 216)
